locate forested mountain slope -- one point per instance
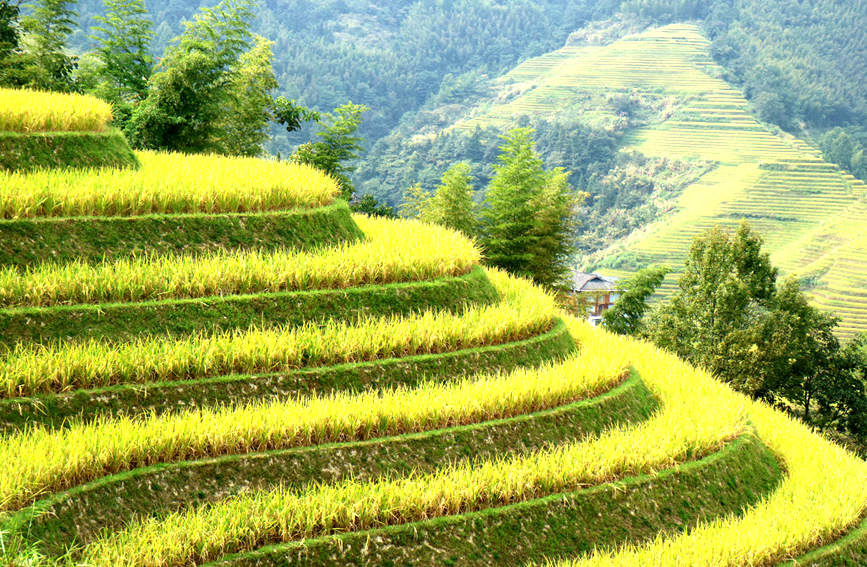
(389, 55)
(802, 62)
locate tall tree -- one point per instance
(47, 65)
(191, 90)
(508, 220)
(123, 47)
(528, 224)
(726, 280)
(555, 225)
(339, 145)
(243, 127)
(452, 205)
(626, 317)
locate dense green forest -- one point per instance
(390, 56)
(800, 62)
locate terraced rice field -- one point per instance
(371, 396)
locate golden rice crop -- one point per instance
(166, 183)
(823, 494)
(25, 110)
(28, 369)
(682, 429)
(40, 460)
(426, 252)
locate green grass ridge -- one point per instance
(110, 503)
(26, 242)
(56, 410)
(123, 321)
(631, 510)
(53, 150)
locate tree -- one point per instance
(527, 224)
(46, 65)
(416, 203)
(766, 340)
(123, 47)
(243, 127)
(291, 114)
(507, 236)
(452, 205)
(626, 317)
(555, 225)
(10, 37)
(726, 280)
(339, 145)
(189, 94)
(368, 205)
(9, 33)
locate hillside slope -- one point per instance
(659, 93)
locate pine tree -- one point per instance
(528, 225)
(123, 47)
(555, 227)
(47, 66)
(452, 205)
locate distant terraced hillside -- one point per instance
(811, 213)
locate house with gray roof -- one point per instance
(598, 292)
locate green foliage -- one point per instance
(339, 145)
(122, 47)
(844, 150)
(370, 206)
(452, 205)
(10, 37)
(243, 126)
(768, 341)
(46, 65)
(626, 317)
(291, 114)
(529, 219)
(190, 93)
(415, 203)
(766, 48)
(725, 280)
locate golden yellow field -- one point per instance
(25, 110)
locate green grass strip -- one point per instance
(27, 370)
(80, 514)
(57, 150)
(630, 510)
(62, 410)
(240, 524)
(30, 242)
(123, 321)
